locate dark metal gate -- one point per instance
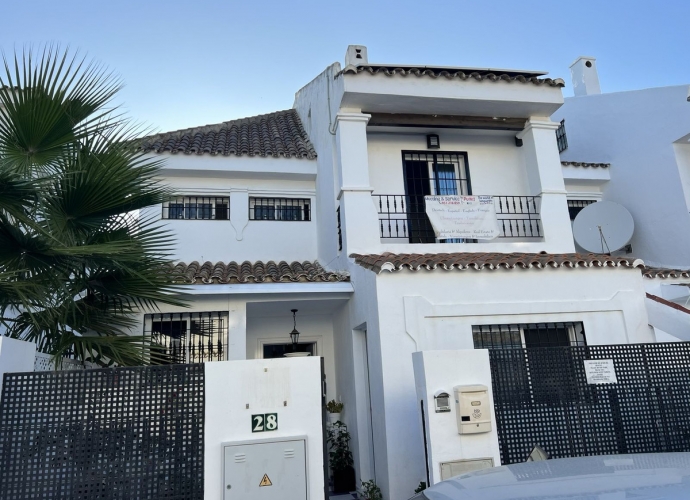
(120, 433)
(541, 397)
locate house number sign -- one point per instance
(600, 371)
(265, 422)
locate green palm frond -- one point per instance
(77, 261)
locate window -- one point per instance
(518, 336)
(561, 138)
(531, 370)
(197, 208)
(187, 337)
(431, 174)
(284, 209)
(576, 206)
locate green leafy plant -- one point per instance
(339, 443)
(78, 260)
(370, 491)
(334, 407)
(421, 487)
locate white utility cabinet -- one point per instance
(265, 469)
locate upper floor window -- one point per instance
(576, 206)
(285, 209)
(196, 207)
(561, 138)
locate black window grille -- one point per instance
(518, 336)
(187, 337)
(284, 209)
(576, 206)
(561, 138)
(530, 378)
(197, 208)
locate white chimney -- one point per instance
(356, 55)
(584, 75)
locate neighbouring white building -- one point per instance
(633, 148)
(321, 209)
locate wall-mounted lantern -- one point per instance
(294, 334)
(432, 141)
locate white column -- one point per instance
(237, 329)
(358, 216)
(546, 180)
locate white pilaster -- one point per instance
(546, 180)
(239, 211)
(359, 219)
(237, 330)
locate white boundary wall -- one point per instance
(441, 371)
(289, 387)
(16, 356)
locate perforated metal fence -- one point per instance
(542, 397)
(123, 433)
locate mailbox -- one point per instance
(442, 402)
(472, 409)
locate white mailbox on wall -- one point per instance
(472, 409)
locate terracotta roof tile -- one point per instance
(274, 134)
(660, 272)
(481, 260)
(452, 73)
(585, 164)
(255, 272)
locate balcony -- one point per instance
(403, 218)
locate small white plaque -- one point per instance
(600, 371)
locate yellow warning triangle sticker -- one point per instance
(265, 481)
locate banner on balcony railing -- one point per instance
(462, 216)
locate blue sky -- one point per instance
(205, 61)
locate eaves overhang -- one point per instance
(411, 92)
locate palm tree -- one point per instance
(76, 260)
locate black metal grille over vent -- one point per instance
(541, 397)
(123, 433)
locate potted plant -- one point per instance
(341, 459)
(370, 491)
(334, 408)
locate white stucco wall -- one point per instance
(312, 327)
(239, 179)
(317, 104)
(441, 371)
(289, 387)
(16, 356)
(635, 131)
(435, 310)
(496, 166)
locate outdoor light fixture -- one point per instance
(294, 334)
(432, 141)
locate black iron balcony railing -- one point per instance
(404, 217)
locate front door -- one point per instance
(431, 174)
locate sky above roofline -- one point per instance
(187, 64)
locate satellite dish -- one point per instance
(603, 227)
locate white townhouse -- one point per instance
(633, 148)
(321, 209)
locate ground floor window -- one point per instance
(187, 337)
(517, 336)
(532, 371)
